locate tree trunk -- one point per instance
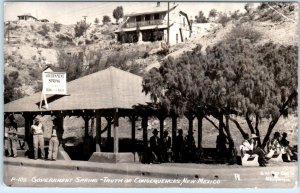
(257, 130)
(249, 122)
(238, 126)
(200, 118)
(275, 120)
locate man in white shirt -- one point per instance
(37, 130)
(250, 147)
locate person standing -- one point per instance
(53, 143)
(12, 138)
(190, 147)
(166, 147)
(179, 146)
(155, 147)
(37, 130)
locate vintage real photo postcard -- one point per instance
(150, 94)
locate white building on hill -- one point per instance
(152, 25)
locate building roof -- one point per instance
(28, 15)
(142, 28)
(107, 89)
(151, 10)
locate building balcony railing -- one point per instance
(143, 23)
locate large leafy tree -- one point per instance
(118, 13)
(234, 77)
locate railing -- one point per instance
(143, 23)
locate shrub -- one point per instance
(44, 31)
(57, 26)
(223, 19)
(80, 28)
(244, 32)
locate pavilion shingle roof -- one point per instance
(107, 89)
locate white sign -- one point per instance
(54, 83)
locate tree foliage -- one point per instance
(11, 84)
(200, 18)
(213, 13)
(81, 28)
(118, 13)
(233, 77)
(106, 19)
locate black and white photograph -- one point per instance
(157, 94)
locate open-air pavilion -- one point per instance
(110, 93)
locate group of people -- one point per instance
(161, 150)
(37, 133)
(276, 146)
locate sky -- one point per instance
(71, 12)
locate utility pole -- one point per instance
(168, 30)
(85, 62)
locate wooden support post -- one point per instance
(174, 129)
(86, 126)
(161, 127)
(191, 120)
(60, 129)
(133, 119)
(116, 132)
(108, 119)
(200, 118)
(98, 131)
(145, 132)
(28, 136)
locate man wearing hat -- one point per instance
(190, 147)
(274, 143)
(53, 143)
(250, 146)
(12, 137)
(37, 130)
(155, 147)
(166, 147)
(179, 146)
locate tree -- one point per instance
(81, 28)
(96, 21)
(212, 13)
(248, 7)
(118, 13)
(200, 18)
(106, 19)
(232, 78)
(12, 83)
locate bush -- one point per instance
(223, 19)
(44, 31)
(57, 27)
(80, 28)
(244, 32)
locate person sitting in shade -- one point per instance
(274, 145)
(53, 143)
(290, 155)
(166, 147)
(251, 147)
(155, 147)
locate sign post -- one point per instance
(53, 83)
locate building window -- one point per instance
(156, 16)
(138, 18)
(147, 17)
